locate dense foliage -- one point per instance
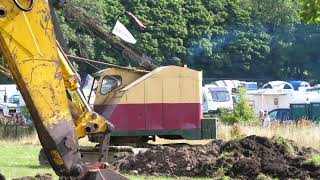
(224, 38)
(242, 111)
(310, 10)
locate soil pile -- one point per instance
(243, 159)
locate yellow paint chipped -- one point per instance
(56, 157)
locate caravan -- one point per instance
(270, 99)
(279, 85)
(300, 85)
(231, 85)
(249, 86)
(215, 98)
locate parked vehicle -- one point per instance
(249, 85)
(281, 115)
(216, 98)
(269, 99)
(278, 85)
(297, 111)
(229, 84)
(8, 109)
(14, 99)
(300, 85)
(314, 89)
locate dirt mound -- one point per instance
(243, 159)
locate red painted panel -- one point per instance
(184, 116)
(134, 115)
(152, 116)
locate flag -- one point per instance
(122, 32)
(141, 25)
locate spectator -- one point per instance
(266, 120)
(261, 115)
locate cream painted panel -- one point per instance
(153, 89)
(136, 95)
(171, 90)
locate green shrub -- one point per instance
(25, 112)
(242, 111)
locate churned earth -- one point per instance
(247, 158)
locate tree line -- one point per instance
(223, 38)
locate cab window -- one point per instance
(93, 90)
(110, 83)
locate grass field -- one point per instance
(20, 160)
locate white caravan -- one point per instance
(215, 98)
(279, 85)
(269, 99)
(229, 84)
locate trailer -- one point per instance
(270, 99)
(216, 98)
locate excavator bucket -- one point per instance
(105, 174)
(101, 171)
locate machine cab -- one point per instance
(106, 84)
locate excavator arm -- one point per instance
(43, 75)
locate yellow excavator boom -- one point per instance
(43, 75)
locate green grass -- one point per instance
(315, 160)
(20, 160)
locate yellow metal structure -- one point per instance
(43, 76)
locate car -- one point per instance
(14, 99)
(281, 115)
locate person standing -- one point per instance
(261, 115)
(266, 120)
